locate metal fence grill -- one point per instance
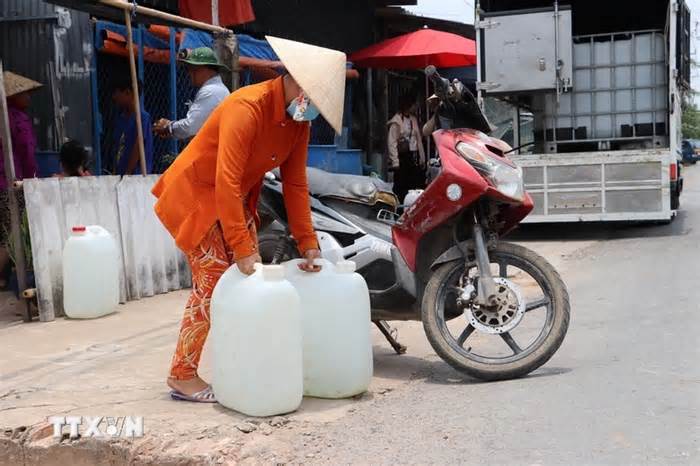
(322, 133)
(156, 94)
(185, 94)
(107, 67)
(156, 101)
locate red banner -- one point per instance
(231, 12)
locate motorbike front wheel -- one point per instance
(510, 339)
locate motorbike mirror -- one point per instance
(443, 87)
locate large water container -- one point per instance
(256, 342)
(90, 273)
(411, 197)
(336, 324)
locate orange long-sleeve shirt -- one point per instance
(247, 135)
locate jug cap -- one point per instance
(273, 272)
(79, 229)
(345, 267)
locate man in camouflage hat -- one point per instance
(203, 68)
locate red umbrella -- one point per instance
(417, 50)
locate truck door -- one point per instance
(525, 50)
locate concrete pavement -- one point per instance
(623, 389)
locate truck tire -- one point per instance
(675, 199)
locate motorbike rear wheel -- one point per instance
(273, 242)
(444, 289)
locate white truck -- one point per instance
(602, 82)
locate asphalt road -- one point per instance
(623, 389)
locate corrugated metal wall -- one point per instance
(150, 261)
(53, 207)
(52, 45)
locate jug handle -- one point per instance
(345, 267)
(97, 230)
(323, 263)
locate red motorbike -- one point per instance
(492, 309)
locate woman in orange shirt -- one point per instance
(207, 198)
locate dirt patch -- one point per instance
(19, 447)
(240, 441)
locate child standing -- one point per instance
(74, 160)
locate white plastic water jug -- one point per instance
(336, 324)
(90, 273)
(256, 342)
(411, 197)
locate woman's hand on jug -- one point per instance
(247, 264)
(310, 256)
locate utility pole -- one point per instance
(215, 12)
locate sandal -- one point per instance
(204, 396)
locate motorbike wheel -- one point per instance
(270, 241)
(484, 328)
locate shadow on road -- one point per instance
(601, 231)
(434, 370)
(390, 365)
(443, 374)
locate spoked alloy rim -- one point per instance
(501, 322)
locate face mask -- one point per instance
(301, 109)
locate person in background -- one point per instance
(125, 147)
(74, 160)
(207, 199)
(433, 123)
(17, 92)
(203, 68)
(405, 144)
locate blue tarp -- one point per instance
(194, 39)
(248, 47)
(255, 48)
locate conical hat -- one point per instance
(320, 72)
(16, 84)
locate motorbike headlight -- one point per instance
(506, 179)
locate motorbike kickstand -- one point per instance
(390, 335)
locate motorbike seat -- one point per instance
(353, 187)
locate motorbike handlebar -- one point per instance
(430, 71)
